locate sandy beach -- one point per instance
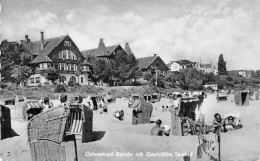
(119, 140)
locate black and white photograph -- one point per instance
(129, 80)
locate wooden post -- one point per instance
(219, 131)
(75, 145)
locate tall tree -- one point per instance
(222, 70)
(21, 73)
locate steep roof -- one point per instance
(181, 62)
(128, 49)
(146, 61)
(49, 45)
(42, 55)
(110, 49)
(102, 50)
(32, 47)
(41, 59)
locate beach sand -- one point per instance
(133, 142)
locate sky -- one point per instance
(172, 29)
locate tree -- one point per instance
(52, 74)
(191, 79)
(222, 70)
(135, 72)
(12, 54)
(102, 70)
(208, 78)
(21, 73)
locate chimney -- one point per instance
(154, 54)
(26, 39)
(42, 40)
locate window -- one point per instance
(74, 56)
(72, 67)
(69, 66)
(41, 65)
(67, 43)
(37, 79)
(31, 80)
(75, 67)
(65, 66)
(72, 79)
(67, 54)
(64, 54)
(62, 79)
(62, 66)
(60, 55)
(82, 79)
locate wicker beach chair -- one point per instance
(45, 134)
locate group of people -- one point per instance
(224, 125)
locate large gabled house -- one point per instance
(60, 52)
(176, 66)
(147, 64)
(107, 53)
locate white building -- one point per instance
(213, 86)
(176, 66)
(245, 73)
(206, 68)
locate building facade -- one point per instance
(245, 73)
(206, 68)
(147, 64)
(61, 53)
(176, 66)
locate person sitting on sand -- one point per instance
(46, 104)
(217, 123)
(231, 124)
(119, 114)
(158, 130)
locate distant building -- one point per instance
(206, 68)
(60, 52)
(107, 53)
(213, 86)
(146, 64)
(104, 52)
(245, 73)
(176, 66)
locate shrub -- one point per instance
(60, 88)
(71, 83)
(3, 85)
(210, 88)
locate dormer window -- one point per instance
(67, 54)
(67, 43)
(45, 65)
